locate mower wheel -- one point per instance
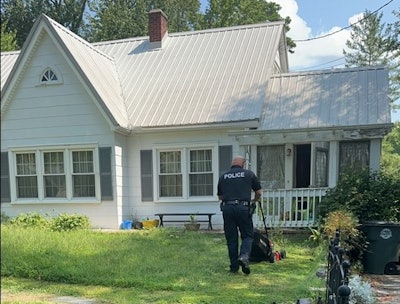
(272, 257)
(283, 254)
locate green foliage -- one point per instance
(8, 39)
(367, 195)
(154, 266)
(391, 152)
(66, 222)
(32, 219)
(4, 218)
(63, 222)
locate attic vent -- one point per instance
(49, 75)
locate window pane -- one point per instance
(170, 162)
(200, 161)
(321, 168)
(54, 186)
(53, 162)
(201, 184)
(82, 162)
(354, 155)
(26, 164)
(271, 166)
(27, 187)
(84, 186)
(170, 185)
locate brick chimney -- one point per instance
(158, 28)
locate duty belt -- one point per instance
(236, 202)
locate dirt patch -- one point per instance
(26, 297)
(386, 288)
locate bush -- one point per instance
(368, 195)
(63, 222)
(32, 219)
(66, 222)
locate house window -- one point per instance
(200, 173)
(353, 156)
(26, 175)
(48, 76)
(53, 174)
(61, 173)
(271, 166)
(185, 172)
(321, 167)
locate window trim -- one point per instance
(68, 173)
(185, 166)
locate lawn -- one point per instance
(167, 265)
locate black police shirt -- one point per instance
(237, 183)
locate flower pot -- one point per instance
(150, 224)
(192, 226)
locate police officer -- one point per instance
(234, 191)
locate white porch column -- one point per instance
(333, 164)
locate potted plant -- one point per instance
(148, 223)
(192, 225)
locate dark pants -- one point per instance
(237, 217)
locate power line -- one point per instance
(342, 29)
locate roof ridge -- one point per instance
(329, 71)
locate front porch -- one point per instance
(287, 208)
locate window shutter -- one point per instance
(105, 173)
(5, 179)
(225, 158)
(146, 171)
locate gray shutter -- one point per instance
(105, 173)
(5, 179)
(225, 158)
(146, 173)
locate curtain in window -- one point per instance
(271, 166)
(83, 178)
(27, 186)
(353, 156)
(321, 168)
(170, 174)
(54, 177)
(200, 175)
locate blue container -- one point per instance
(126, 225)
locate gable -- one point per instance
(53, 112)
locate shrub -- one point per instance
(361, 291)
(32, 219)
(368, 195)
(5, 218)
(66, 222)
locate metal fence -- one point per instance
(337, 289)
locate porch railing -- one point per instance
(290, 207)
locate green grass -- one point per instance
(154, 266)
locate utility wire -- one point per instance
(342, 29)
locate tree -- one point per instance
(20, 15)
(8, 40)
(120, 19)
(223, 13)
(391, 152)
(373, 43)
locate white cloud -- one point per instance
(313, 54)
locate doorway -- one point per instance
(302, 166)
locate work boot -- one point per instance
(244, 263)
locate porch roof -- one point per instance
(327, 99)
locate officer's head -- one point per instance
(238, 161)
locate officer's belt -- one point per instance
(236, 202)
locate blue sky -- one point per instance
(315, 18)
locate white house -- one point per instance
(134, 127)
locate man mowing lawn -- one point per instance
(234, 191)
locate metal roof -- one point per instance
(201, 77)
(327, 98)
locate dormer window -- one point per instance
(49, 76)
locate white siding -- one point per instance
(61, 114)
